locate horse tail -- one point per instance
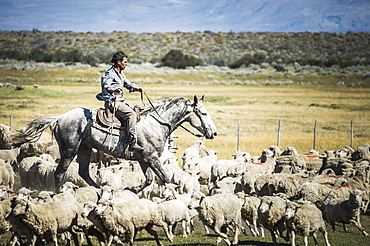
(33, 131)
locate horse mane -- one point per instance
(163, 105)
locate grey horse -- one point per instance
(76, 135)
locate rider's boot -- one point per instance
(132, 144)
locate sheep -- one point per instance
(291, 183)
(128, 218)
(48, 219)
(227, 184)
(118, 196)
(5, 205)
(345, 211)
(89, 212)
(184, 181)
(10, 157)
(172, 212)
(82, 194)
(271, 215)
(5, 137)
(218, 212)
(110, 176)
(6, 174)
(290, 157)
(361, 153)
(221, 167)
(249, 212)
(247, 182)
(194, 151)
(53, 150)
(304, 219)
(38, 173)
(314, 192)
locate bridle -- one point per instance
(170, 124)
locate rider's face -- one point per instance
(123, 63)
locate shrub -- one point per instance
(176, 59)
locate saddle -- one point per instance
(106, 118)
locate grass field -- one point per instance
(259, 108)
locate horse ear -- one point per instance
(202, 98)
(195, 99)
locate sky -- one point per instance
(185, 15)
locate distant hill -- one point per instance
(317, 48)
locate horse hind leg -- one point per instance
(60, 172)
(83, 159)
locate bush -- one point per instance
(248, 59)
(176, 59)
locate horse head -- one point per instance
(201, 120)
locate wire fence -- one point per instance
(257, 134)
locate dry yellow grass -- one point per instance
(258, 108)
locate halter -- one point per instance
(171, 125)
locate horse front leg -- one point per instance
(157, 168)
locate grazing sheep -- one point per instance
(271, 216)
(345, 211)
(218, 212)
(304, 219)
(128, 218)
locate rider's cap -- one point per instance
(118, 56)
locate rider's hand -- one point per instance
(138, 89)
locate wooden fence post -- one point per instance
(278, 136)
(314, 135)
(238, 143)
(351, 137)
(10, 123)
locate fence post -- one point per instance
(238, 143)
(314, 135)
(278, 136)
(351, 134)
(10, 123)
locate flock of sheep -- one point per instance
(284, 192)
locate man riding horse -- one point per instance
(112, 83)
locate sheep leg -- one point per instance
(110, 238)
(305, 240)
(325, 234)
(216, 228)
(292, 233)
(315, 238)
(236, 236)
(359, 226)
(151, 231)
(167, 231)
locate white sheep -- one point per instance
(194, 151)
(6, 174)
(249, 212)
(49, 219)
(346, 211)
(271, 216)
(172, 212)
(304, 219)
(128, 218)
(218, 212)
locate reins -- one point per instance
(155, 110)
